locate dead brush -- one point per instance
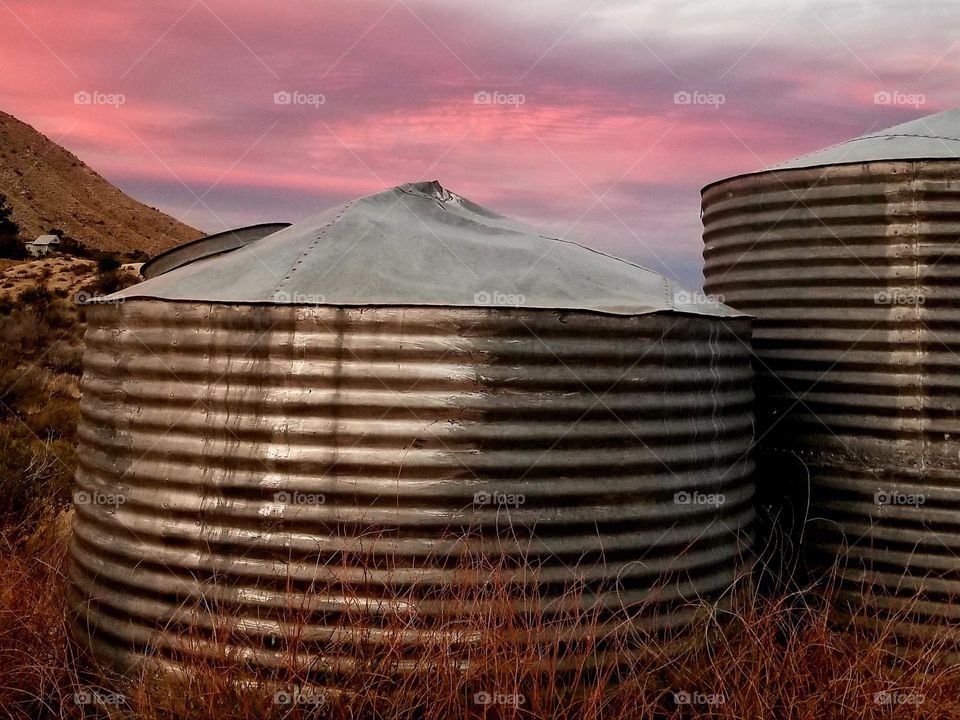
(491, 645)
(487, 645)
(38, 669)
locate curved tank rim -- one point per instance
(152, 262)
(929, 138)
(822, 166)
(726, 312)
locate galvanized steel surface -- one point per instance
(934, 137)
(853, 274)
(262, 458)
(420, 244)
(208, 246)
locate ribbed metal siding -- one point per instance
(858, 395)
(198, 414)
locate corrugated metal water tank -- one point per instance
(849, 260)
(332, 417)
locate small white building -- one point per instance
(43, 245)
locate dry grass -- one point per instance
(36, 660)
(59, 273)
(39, 393)
(776, 657)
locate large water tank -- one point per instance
(849, 260)
(333, 418)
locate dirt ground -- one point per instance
(57, 272)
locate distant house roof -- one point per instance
(46, 240)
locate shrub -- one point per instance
(35, 295)
(110, 282)
(36, 665)
(17, 388)
(72, 246)
(107, 262)
(66, 357)
(33, 473)
(12, 248)
(20, 332)
(10, 244)
(60, 315)
(56, 420)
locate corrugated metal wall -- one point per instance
(852, 273)
(264, 457)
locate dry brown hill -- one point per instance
(49, 187)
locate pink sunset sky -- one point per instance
(182, 103)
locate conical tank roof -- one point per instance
(934, 137)
(415, 245)
(927, 138)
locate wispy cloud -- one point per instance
(553, 98)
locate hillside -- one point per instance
(49, 187)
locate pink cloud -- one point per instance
(398, 81)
